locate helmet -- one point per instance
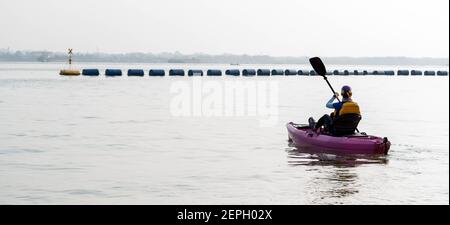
(346, 91)
(346, 88)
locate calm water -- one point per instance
(82, 140)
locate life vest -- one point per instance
(348, 108)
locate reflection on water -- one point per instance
(337, 178)
(307, 157)
(333, 187)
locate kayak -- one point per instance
(302, 136)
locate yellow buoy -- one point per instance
(69, 73)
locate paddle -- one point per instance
(320, 69)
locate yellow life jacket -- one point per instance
(349, 108)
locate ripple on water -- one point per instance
(84, 192)
(53, 136)
(18, 135)
(48, 167)
(128, 122)
(90, 117)
(19, 151)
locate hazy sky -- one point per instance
(413, 28)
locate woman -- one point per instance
(345, 107)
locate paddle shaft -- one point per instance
(331, 87)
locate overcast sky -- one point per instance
(414, 28)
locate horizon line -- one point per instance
(10, 50)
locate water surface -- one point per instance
(97, 140)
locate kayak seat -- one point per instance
(346, 124)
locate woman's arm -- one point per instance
(330, 103)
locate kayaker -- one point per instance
(344, 119)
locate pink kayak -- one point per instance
(304, 137)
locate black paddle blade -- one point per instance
(318, 66)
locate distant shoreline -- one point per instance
(178, 58)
